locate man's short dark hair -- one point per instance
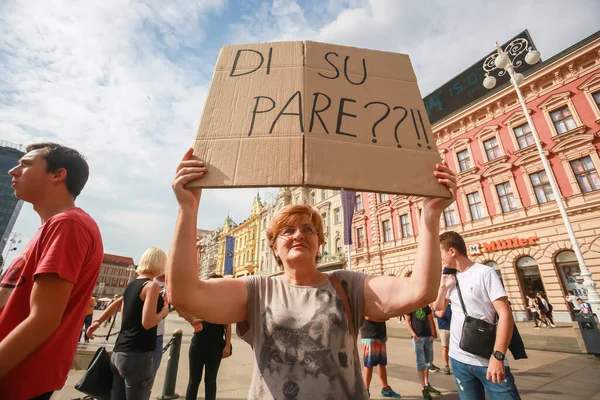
(570, 292)
(215, 276)
(58, 156)
(453, 240)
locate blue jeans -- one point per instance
(157, 354)
(472, 383)
(424, 352)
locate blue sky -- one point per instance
(125, 82)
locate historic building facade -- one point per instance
(115, 274)
(505, 208)
(208, 250)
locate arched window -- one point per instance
(338, 245)
(497, 268)
(529, 275)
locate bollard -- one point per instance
(172, 365)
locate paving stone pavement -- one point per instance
(545, 375)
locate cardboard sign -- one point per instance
(319, 115)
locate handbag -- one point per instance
(97, 379)
(478, 336)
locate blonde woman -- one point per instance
(143, 309)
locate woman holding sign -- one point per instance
(301, 325)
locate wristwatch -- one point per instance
(498, 355)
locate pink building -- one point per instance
(505, 207)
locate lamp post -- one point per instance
(504, 60)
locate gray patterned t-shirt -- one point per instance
(302, 345)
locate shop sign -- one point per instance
(500, 244)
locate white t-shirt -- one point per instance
(480, 286)
(160, 328)
(573, 300)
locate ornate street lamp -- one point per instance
(505, 61)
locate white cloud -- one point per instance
(125, 83)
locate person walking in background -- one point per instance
(444, 317)
(143, 308)
(374, 336)
(210, 344)
(545, 309)
(422, 329)
(89, 315)
(533, 307)
(45, 292)
(160, 329)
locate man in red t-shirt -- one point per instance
(45, 292)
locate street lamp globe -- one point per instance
(519, 78)
(502, 61)
(489, 82)
(532, 57)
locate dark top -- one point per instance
(373, 330)
(420, 322)
(211, 334)
(444, 322)
(133, 337)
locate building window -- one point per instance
(323, 194)
(262, 246)
(387, 230)
(524, 136)
(405, 224)
(360, 237)
(506, 197)
(541, 186)
(475, 205)
(450, 215)
(464, 160)
(492, 149)
(563, 120)
(338, 245)
(324, 216)
(586, 174)
(359, 205)
(337, 216)
(596, 97)
(383, 198)
(313, 198)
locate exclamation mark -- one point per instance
(412, 114)
(424, 131)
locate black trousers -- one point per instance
(204, 354)
(45, 396)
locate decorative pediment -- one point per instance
(384, 208)
(529, 157)
(593, 82)
(581, 140)
(493, 163)
(555, 100)
(489, 130)
(517, 118)
(468, 179)
(460, 143)
(570, 134)
(497, 169)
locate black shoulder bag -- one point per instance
(97, 380)
(478, 336)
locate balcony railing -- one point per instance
(332, 259)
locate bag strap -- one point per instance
(342, 295)
(110, 329)
(462, 303)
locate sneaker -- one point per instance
(426, 394)
(447, 370)
(552, 325)
(388, 392)
(433, 368)
(432, 391)
(537, 327)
